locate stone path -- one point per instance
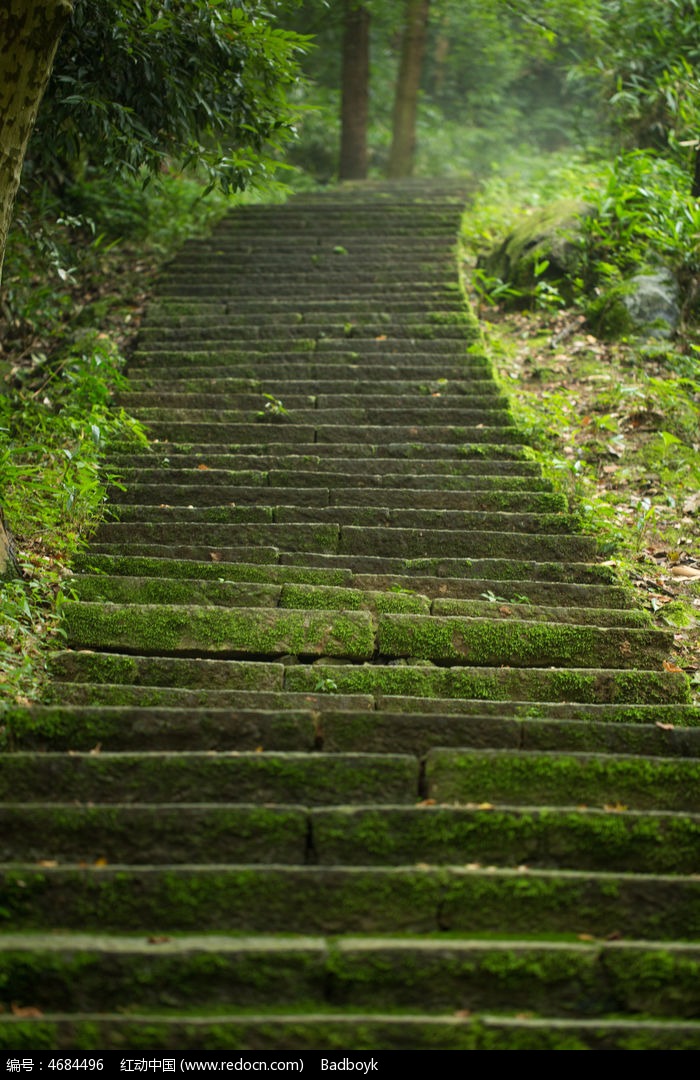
(354, 743)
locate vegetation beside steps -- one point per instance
(354, 743)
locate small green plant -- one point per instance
(326, 686)
(273, 409)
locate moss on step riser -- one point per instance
(579, 840)
(232, 777)
(139, 566)
(351, 900)
(633, 782)
(141, 834)
(532, 612)
(77, 972)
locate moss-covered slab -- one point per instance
(352, 900)
(421, 542)
(331, 598)
(140, 566)
(462, 499)
(176, 697)
(527, 593)
(172, 518)
(251, 553)
(143, 498)
(495, 609)
(296, 1032)
(506, 1033)
(149, 834)
(258, 631)
(498, 684)
(583, 839)
(112, 728)
(386, 435)
(81, 972)
(121, 589)
(240, 777)
(294, 537)
(458, 520)
(193, 672)
(520, 643)
(616, 781)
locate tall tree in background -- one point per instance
(29, 35)
(354, 107)
(407, 84)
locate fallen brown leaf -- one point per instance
(668, 666)
(665, 727)
(26, 1012)
(158, 939)
(585, 937)
(427, 802)
(201, 467)
(685, 571)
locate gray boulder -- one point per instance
(652, 301)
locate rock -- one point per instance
(552, 235)
(653, 303)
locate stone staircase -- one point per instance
(353, 745)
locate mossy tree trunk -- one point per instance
(403, 141)
(354, 110)
(29, 35)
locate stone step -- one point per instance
(171, 398)
(616, 782)
(377, 1031)
(196, 832)
(212, 434)
(372, 1031)
(143, 502)
(342, 390)
(349, 724)
(330, 538)
(233, 776)
(341, 307)
(191, 368)
(370, 416)
(559, 979)
(347, 900)
(185, 487)
(489, 468)
(393, 514)
(122, 589)
(533, 591)
(593, 686)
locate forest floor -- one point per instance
(616, 427)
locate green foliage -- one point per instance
(139, 85)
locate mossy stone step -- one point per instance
(215, 434)
(422, 414)
(343, 900)
(527, 836)
(83, 693)
(519, 643)
(363, 1031)
(326, 536)
(74, 971)
(173, 628)
(145, 499)
(134, 834)
(232, 777)
(185, 486)
(222, 400)
(138, 566)
(314, 509)
(302, 364)
(584, 686)
(280, 462)
(440, 566)
(194, 833)
(614, 781)
(146, 590)
(355, 634)
(317, 725)
(344, 389)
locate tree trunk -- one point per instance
(354, 110)
(695, 190)
(29, 34)
(406, 100)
